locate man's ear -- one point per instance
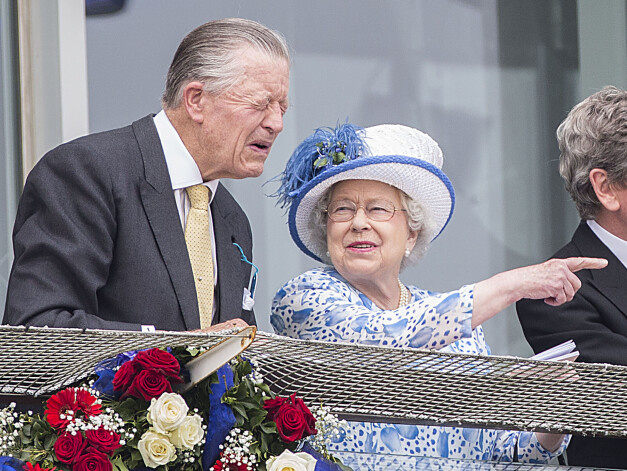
(603, 189)
(194, 101)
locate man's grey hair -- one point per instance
(418, 219)
(210, 54)
(594, 135)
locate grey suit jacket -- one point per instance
(98, 241)
(596, 319)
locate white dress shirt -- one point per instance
(184, 173)
(616, 245)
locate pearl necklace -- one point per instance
(405, 296)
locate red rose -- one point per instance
(148, 384)
(159, 360)
(104, 440)
(124, 376)
(68, 447)
(273, 405)
(293, 419)
(92, 460)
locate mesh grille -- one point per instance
(358, 382)
(422, 387)
(37, 360)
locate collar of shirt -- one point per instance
(184, 173)
(181, 165)
(617, 245)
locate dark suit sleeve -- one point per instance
(589, 319)
(63, 242)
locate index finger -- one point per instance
(582, 263)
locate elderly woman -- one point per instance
(369, 202)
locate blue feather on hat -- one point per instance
(324, 149)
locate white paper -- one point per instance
(562, 352)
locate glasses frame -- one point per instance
(357, 206)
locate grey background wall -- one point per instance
(489, 80)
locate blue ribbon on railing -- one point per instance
(221, 417)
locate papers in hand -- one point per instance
(562, 352)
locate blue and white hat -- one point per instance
(401, 156)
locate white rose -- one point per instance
(189, 433)
(167, 413)
(156, 449)
(288, 461)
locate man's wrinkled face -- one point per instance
(241, 124)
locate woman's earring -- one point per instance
(407, 252)
(328, 254)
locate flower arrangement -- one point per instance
(128, 416)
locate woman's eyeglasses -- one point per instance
(343, 211)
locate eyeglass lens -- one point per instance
(341, 211)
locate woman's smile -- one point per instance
(362, 247)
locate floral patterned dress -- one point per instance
(321, 305)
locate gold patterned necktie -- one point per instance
(198, 239)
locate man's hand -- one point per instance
(232, 324)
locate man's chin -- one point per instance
(253, 170)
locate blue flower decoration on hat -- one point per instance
(324, 149)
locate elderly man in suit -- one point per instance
(593, 163)
(131, 228)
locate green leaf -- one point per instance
(277, 447)
(245, 368)
(136, 456)
(320, 162)
(118, 464)
(263, 446)
(268, 427)
(254, 448)
(37, 429)
(256, 419)
(338, 157)
(193, 351)
(126, 409)
(249, 403)
(49, 442)
(238, 409)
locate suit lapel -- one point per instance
(230, 266)
(158, 201)
(611, 281)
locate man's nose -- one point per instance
(273, 120)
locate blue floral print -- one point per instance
(321, 305)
